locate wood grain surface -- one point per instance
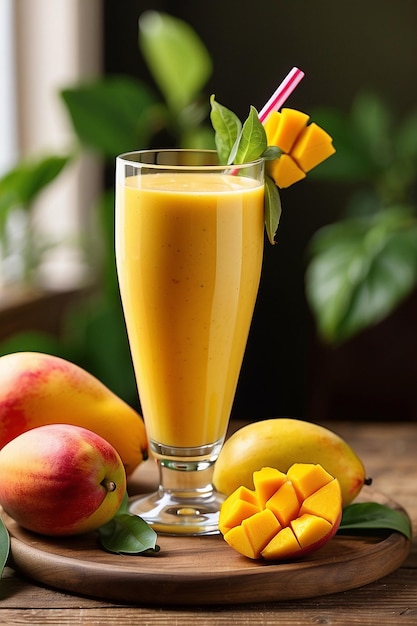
(389, 453)
(202, 570)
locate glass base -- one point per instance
(168, 515)
(186, 502)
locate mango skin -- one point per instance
(61, 479)
(281, 442)
(38, 389)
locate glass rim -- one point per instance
(125, 157)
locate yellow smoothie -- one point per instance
(189, 253)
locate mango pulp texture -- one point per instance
(285, 516)
(303, 146)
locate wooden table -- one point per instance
(389, 453)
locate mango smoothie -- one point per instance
(189, 250)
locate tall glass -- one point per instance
(189, 247)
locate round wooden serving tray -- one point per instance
(202, 570)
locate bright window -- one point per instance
(47, 45)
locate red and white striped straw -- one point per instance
(281, 94)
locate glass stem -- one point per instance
(185, 481)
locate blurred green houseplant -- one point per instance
(363, 266)
(359, 268)
(110, 116)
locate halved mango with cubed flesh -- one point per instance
(301, 515)
(283, 128)
(303, 146)
(312, 147)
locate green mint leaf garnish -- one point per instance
(371, 516)
(227, 127)
(272, 209)
(271, 153)
(237, 144)
(252, 140)
(4, 546)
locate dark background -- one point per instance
(342, 46)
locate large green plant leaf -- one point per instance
(95, 335)
(405, 140)
(372, 123)
(21, 185)
(177, 58)
(113, 115)
(360, 271)
(352, 162)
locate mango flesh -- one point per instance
(312, 147)
(297, 518)
(38, 389)
(285, 171)
(283, 128)
(279, 443)
(303, 146)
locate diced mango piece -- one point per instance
(271, 126)
(284, 504)
(310, 529)
(260, 528)
(239, 540)
(285, 171)
(308, 478)
(326, 502)
(267, 481)
(235, 509)
(282, 129)
(246, 494)
(283, 546)
(313, 146)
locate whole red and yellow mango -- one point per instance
(38, 389)
(61, 479)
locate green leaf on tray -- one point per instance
(371, 516)
(4, 546)
(128, 534)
